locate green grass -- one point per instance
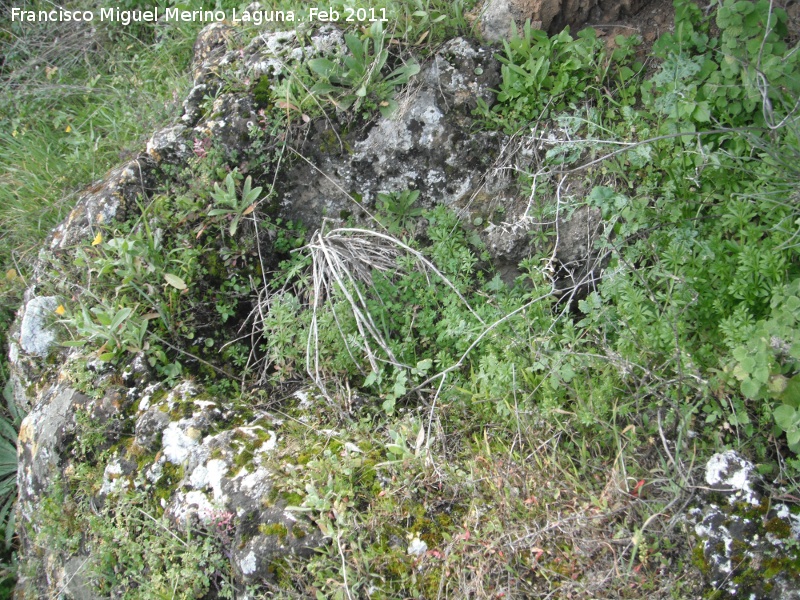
(67, 120)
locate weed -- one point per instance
(9, 426)
(228, 205)
(357, 79)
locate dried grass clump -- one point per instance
(343, 261)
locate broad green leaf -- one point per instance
(175, 281)
(785, 416)
(120, 317)
(322, 87)
(103, 317)
(322, 66)
(750, 388)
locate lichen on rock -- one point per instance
(749, 543)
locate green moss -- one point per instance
(444, 521)
(182, 410)
(246, 447)
(778, 527)
(281, 572)
(750, 579)
(431, 580)
(278, 529)
(292, 499)
(171, 476)
(262, 94)
(157, 396)
(298, 532)
(699, 560)
(397, 565)
(243, 458)
(329, 142)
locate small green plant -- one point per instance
(398, 209)
(9, 426)
(135, 550)
(356, 79)
(746, 76)
(113, 328)
(767, 364)
(543, 75)
(229, 205)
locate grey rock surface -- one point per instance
(427, 145)
(36, 334)
(499, 19)
(741, 529)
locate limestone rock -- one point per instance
(104, 201)
(209, 46)
(500, 19)
(733, 475)
(169, 145)
(742, 530)
(427, 145)
(36, 335)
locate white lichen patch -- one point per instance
(36, 334)
(181, 393)
(154, 471)
(112, 480)
(248, 564)
(205, 404)
(217, 469)
(782, 512)
(256, 484)
(303, 396)
(731, 471)
(199, 477)
(419, 128)
(461, 48)
(147, 396)
(193, 503)
(272, 442)
(251, 431)
(176, 444)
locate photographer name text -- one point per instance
(172, 15)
